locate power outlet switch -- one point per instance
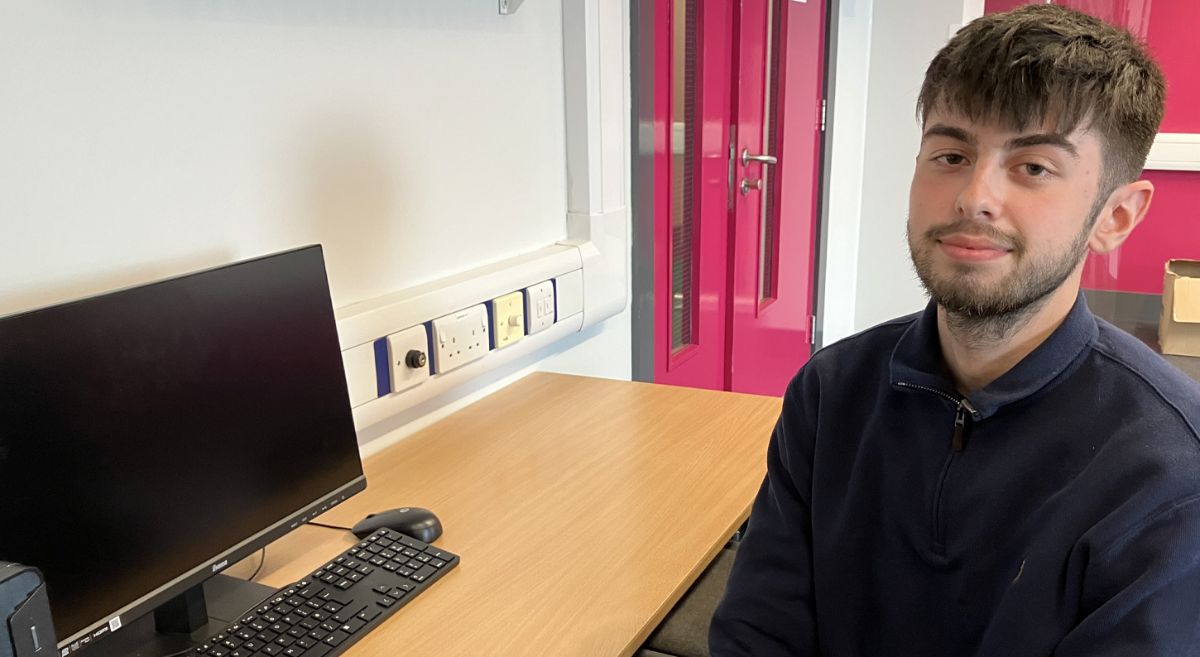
(408, 357)
(539, 306)
(460, 338)
(508, 319)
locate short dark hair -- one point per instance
(1047, 63)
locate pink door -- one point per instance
(737, 145)
(691, 170)
(778, 146)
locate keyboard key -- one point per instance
(319, 650)
(424, 573)
(386, 601)
(336, 638)
(271, 649)
(369, 614)
(352, 626)
(437, 563)
(413, 543)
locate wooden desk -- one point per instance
(582, 509)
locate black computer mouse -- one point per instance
(412, 521)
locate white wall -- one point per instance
(845, 142)
(413, 139)
(905, 36)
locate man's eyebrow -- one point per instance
(1043, 139)
(943, 130)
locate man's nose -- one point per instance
(980, 197)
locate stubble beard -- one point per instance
(980, 313)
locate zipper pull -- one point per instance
(960, 425)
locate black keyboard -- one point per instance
(325, 613)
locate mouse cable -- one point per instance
(321, 524)
(262, 558)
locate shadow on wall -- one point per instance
(71, 287)
(349, 192)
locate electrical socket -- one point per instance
(408, 357)
(539, 306)
(508, 319)
(460, 338)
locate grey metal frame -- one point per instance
(641, 42)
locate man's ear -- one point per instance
(1125, 209)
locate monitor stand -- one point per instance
(186, 620)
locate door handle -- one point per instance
(747, 158)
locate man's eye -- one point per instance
(1035, 170)
(953, 159)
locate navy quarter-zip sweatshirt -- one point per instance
(1056, 511)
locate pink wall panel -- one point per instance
(1173, 41)
(1169, 231)
(1172, 229)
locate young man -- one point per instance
(1003, 474)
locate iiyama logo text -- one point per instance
(220, 565)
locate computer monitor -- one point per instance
(152, 436)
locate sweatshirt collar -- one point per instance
(917, 361)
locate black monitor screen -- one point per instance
(146, 432)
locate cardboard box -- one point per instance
(1179, 326)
